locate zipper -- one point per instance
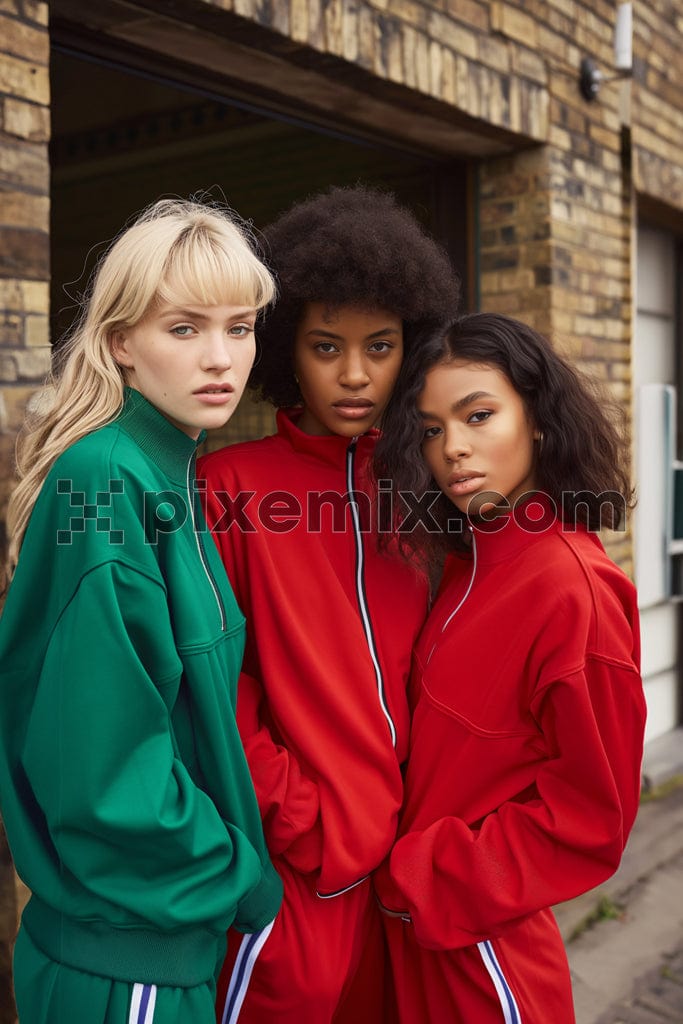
(200, 547)
(360, 587)
(340, 892)
(462, 599)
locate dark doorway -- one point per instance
(122, 138)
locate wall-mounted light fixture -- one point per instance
(590, 76)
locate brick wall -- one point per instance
(24, 274)
(657, 108)
(24, 216)
(556, 223)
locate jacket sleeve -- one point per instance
(288, 799)
(462, 885)
(100, 755)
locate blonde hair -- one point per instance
(175, 251)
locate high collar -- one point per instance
(164, 444)
(508, 534)
(330, 448)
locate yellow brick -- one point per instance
(408, 11)
(518, 278)
(509, 304)
(334, 38)
(448, 77)
(33, 364)
(315, 25)
(28, 10)
(36, 10)
(604, 137)
(24, 296)
(37, 332)
(490, 283)
(36, 296)
(560, 138)
(409, 55)
(436, 70)
(298, 20)
(474, 90)
(553, 44)
(515, 104)
(494, 53)
(562, 322)
(538, 103)
(24, 79)
(22, 40)
(469, 11)
(23, 210)
(369, 53)
(515, 24)
(341, 18)
(26, 120)
(619, 371)
(394, 58)
(502, 99)
(454, 35)
(462, 81)
(9, 372)
(280, 17)
(246, 8)
(16, 399)
(422, 62)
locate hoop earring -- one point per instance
(540, 439)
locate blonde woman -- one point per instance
(123, 786)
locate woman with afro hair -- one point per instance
(331, 618)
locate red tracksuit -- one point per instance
(322, 706)
(523, 772)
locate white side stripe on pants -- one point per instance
(511, 1014)
(142, 1004)
(250, 947)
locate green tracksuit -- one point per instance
(124, 789)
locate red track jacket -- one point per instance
(524, 766)
(331, 622)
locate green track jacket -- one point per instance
(123, 785)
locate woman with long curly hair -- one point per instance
(330, 619)
(523, 771)
(125, 793)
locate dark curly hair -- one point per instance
(348, 247)
(583, 455)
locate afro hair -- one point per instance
(348, 247)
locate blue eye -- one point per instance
(182, 330)
(241, 330)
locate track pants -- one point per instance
(323, 961)
(521, 977)
(50, 993)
